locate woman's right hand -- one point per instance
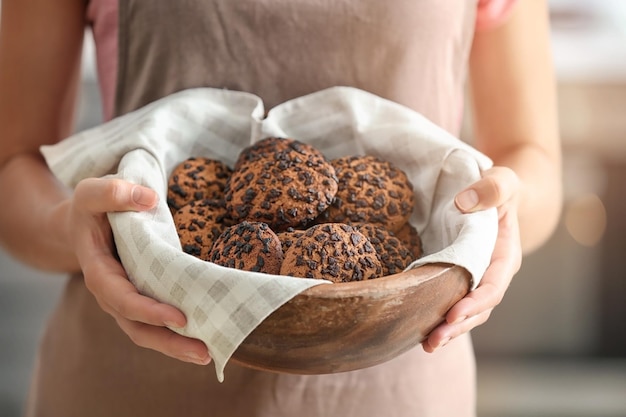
(143, 319)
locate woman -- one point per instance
(92, 359)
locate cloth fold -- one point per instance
(224, 305)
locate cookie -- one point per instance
(249, 246)
(288, 237)
(393, 254)
(281, 182)
(198, 224)
(411, 239)
(370, 190)
(196, 179)
(332, 251)
(260, 149)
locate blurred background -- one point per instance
(556, 346)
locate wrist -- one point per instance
(57, 228)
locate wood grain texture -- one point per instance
(343, 327)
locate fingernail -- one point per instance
(443, 342)
(195, 358)
(467, 200)
(143, 197)
(172, 324)
(459, 319)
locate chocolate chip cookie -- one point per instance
(393, 255)
(332, 251)
(281, 182)
(370, 190)
(196, 179)
(249, 246)
(198, 224)
(411, 239)
(288, 237)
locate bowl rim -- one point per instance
(402, 280)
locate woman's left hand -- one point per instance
(499, 187)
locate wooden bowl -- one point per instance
(343, 327)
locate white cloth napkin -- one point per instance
(224, 305)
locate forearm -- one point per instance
(39, 79)
(33, 219)
(515, 118)
(540, 199)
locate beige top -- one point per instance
(410, 51)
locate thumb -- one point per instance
(497, 185)
(99, 195)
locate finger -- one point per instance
(100, 195)
(505, 263)
(483, 298)
(445, 332)
(489, 293)
(497, 185)
(166, 341)
(107, 280)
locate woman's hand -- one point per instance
(499, 187)
(141, 318)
